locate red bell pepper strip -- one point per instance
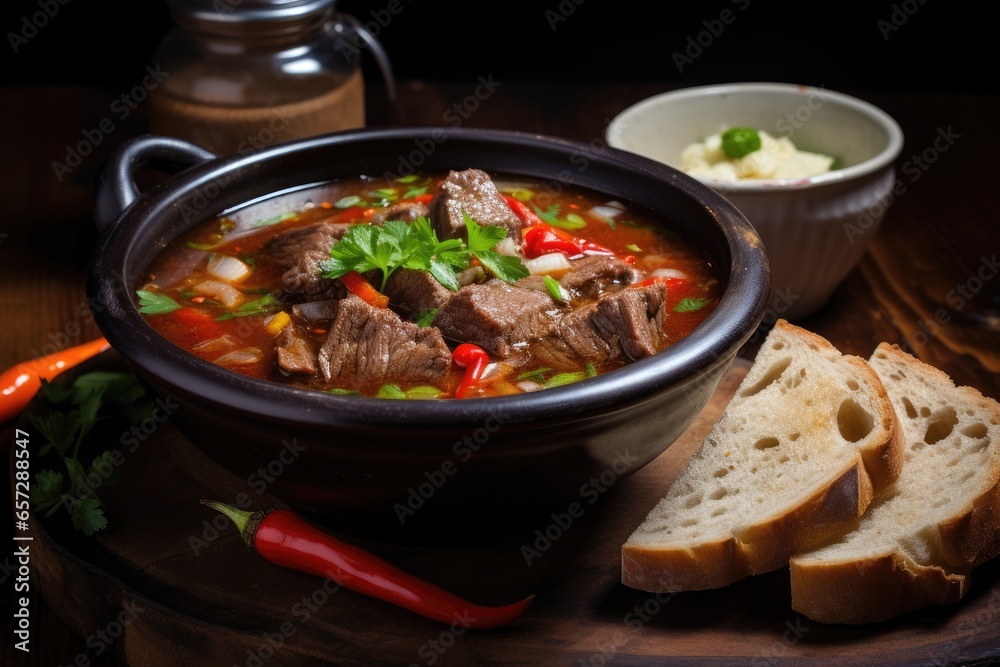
(20, 382)
(286, 538)
(357, 284)
(528, 217)
(474, 360)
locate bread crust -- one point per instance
(885, 585)
(832, 510)
(755, 549)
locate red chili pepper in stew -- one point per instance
(474, 360)
(286, 538)
(542, 239)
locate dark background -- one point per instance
(879, 45)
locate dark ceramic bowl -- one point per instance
(413, 466)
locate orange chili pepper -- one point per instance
(20, 382)
(356, 283)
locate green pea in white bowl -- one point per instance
(815, 228)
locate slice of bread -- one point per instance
(795, 458)
(920, 539)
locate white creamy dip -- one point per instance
(777, 158)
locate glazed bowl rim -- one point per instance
(883, 159)
(715, 341)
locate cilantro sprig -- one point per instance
(68, 428)
(415, 245)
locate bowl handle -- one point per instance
(116, 188)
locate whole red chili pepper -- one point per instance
(474, 360)
(286, 538)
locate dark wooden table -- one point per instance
(929, 281)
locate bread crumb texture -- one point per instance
(951, 465)
(799, 416)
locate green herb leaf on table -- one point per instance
(74, 410)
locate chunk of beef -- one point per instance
(413, 291)
(626, 323)
(593, 275)
(298, 252)
(473, 191)
(405, 211)
(369, 346)
(499, 317)
(590, 277)
(296, 353)
(315, 312)
(170, 269)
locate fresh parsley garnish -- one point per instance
(76, 409)
(151, 303)
(415, 245)
(690, 304)
(265, 305)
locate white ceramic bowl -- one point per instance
(816, 229)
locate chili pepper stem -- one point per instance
(246, 522)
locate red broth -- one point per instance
(244, 336)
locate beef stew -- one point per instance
(370, 289)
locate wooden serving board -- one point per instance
(177, 586)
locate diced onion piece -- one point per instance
(507, 247)
(473, 274)
(529, 385)
(220, 344)
(227, 295)
(553, 264)
(228, 269)
(241, 357)
(277, 322)
(607, 211)
(669, 274)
